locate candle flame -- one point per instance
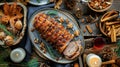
(17, 54)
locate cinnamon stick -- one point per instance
(89, 29)
(108, 62)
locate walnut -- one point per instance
(69, 25)
(9, 40)
(78, 13)
(76, 32)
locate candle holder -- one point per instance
(17, 55)
(93, 60)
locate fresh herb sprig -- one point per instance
(50, 50)
(38, 1)
(52, 12)
(53, 53)
(3, 27)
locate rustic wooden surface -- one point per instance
(116, 5)
(87, 11)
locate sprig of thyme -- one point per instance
(38, 1)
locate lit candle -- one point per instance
(17, 55)
(93, 60)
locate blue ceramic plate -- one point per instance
(60, 13)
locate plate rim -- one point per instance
(37, 4)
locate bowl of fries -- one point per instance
(100, 5)
(110, 25)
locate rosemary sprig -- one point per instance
(3, 27)
(53, 53)
(38, 1)
(33, 63)
(50, 50)
(48, 47)
(52, 12)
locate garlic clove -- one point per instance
(18, 25)
(2, 35)
(76, 33)
(70, 25)
(9, 40)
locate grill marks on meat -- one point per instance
(52, 31)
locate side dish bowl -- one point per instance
(21, 33)
(98, 7)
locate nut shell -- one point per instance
(2, 35)
(18, 25)
(9, 40)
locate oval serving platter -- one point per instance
(35, 35)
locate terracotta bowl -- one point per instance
(101, 24)
(101, 10)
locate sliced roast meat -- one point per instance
(48, 28)
(73, 50)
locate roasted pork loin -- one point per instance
(52, 31)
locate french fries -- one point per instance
(113, 34)
(111, 25)
(112, 31)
